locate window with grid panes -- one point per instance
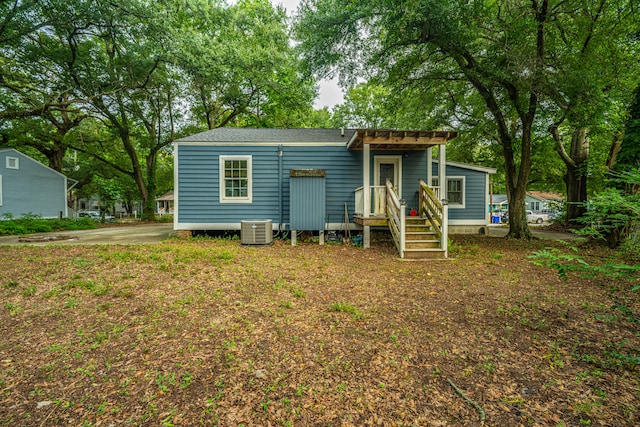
(235, 179)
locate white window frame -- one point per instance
(13, 163)
(463, 187)
(249, 197)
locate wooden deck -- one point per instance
(372, 221)
(416, 237)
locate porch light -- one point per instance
(280, 151)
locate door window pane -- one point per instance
(387, 171)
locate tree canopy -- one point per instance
(143, 72)
(536, 88)
(513, 66)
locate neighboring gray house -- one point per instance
(535, 201)
(310, 179)
(28, 186)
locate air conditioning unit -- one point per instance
(256, 232)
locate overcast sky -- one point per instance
(330, 93)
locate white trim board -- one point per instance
(259, 144)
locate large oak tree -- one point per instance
(507, 52)
(144, 72)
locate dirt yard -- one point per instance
(207, 332)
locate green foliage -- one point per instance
(629, 156)
(364, 107)
(614, 216)
(502, 72)
(119, 84)
(164, 218)
(240, 67)
(109, 190)
(572, 262)
(31, 224)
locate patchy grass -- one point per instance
(207, 332)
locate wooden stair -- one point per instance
(421, 241)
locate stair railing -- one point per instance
(435, 211)
(396, 218)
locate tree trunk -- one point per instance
(616, 144)
(576, 176)
(56, 157)
(576, 182)
(148, 209)
(517, 188)
(137, 174)
(518, 227)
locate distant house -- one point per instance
(541, 200)
(329, 179)
(29, 187)
(164, 203)
(535, 201)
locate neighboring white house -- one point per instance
(164, 204)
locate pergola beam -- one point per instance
(394, 139)
(405, 140)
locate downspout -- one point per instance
(280, 183)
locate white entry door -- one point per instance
(388, 167)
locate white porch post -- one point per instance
(366, 186)
(430, 166)
(442, 170)
(442, 181)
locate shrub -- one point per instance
(30, 223)
(614, 215)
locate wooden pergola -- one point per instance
(403, 140)
(388, 139)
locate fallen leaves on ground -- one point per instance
(208, 332)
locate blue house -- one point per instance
(28, 186)
(329, 179)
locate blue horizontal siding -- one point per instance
(198, 182)
(474, 192)
(343, 175)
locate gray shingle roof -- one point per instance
(270, 135)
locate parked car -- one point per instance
(96, 216)
(553, 214)
(538, 218)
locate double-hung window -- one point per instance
(455, 190)
(235, 179)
